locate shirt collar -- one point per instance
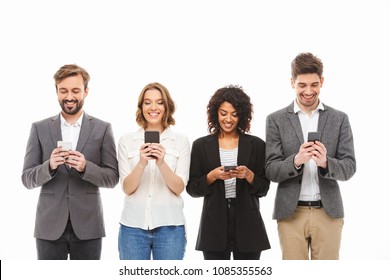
(298, 109)
(77, 123)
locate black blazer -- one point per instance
(250, 230)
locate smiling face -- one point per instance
(227, 118)
(153, 109)
(307, 88)
(71, 94)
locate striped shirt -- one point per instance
(229, 157)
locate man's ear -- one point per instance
(292, 83)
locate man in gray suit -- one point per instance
(308, 204)
(70, 155)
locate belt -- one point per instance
(317, 203)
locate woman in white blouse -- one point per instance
(153, 175)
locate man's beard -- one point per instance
(73, 111)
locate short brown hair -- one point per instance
(70, 70)
(306, 63)
(169, 106)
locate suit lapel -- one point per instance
(296, 124)
(322, 120)
(244, 150)
(244, 155)
(85, 132)
(212, 151)
(55, 129)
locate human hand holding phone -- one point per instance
(59, 154)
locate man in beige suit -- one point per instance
(69, 218)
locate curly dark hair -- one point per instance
(239, 100)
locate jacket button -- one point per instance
(291, 174)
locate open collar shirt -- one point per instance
(153, 204)
(310, 190)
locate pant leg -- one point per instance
(325, 235)
(69, 244)
(169, 243)
(225, 255)
(85, 249)
(294, 235)
(246, 255)
(52, 250)
(134, 243)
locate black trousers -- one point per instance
(231, 247)
(69, 244)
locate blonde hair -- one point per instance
(169, 106)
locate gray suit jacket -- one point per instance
(68, 193)
(283, 139)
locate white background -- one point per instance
(194, 48)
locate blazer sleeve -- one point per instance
(342, 166)
(261, 183)
(35, 171)
(197, 185)
(279, 165)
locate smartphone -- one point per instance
(229, 167)
(152, 137)
(66, 146)
(313, 136)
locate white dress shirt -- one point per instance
(153, 204)
(71, 132)
(310, 189)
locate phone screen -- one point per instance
(229, 167)
(313, 136)
(66, 146)
(152, 137)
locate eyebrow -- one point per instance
(227, 111)
(148, 99)
(76, 88)
(302, 83)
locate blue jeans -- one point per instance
(165, 243)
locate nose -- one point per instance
(309, 90)
(154, 105)
(69, 96)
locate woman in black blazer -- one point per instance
(231, 219)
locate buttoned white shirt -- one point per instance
(71, 132)
(153, 204)
(310, 189)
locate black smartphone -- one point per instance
(152, 137)
(313, 136)
(229, 167)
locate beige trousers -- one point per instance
(310, 233)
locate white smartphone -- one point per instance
(65, 145)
